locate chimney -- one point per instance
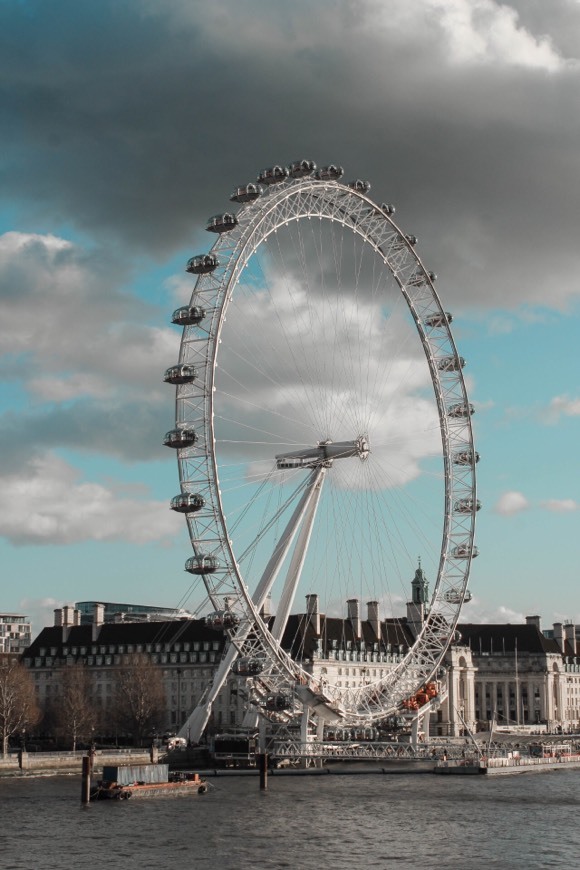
(58, 616)
(373, 617)
(354, 616)
(76, 617)
(98, 619)
(559, 634)
(67, 621)
(570, 636)
(534, 620)
(266, 609)
(313, 613)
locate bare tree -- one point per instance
(74, 714)
(18, 707)
(140, 701)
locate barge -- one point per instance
(121, 782)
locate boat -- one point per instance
(121, 782)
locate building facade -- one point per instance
(511, 674)
(15, 633)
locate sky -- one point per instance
(124, 124)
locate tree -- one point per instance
(18, 707)
(140, 701)
(74, 715)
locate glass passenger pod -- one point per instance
(202, 264)
(222, 620)
(202, 564)
(421, 278)
(460, 410)
(181, 374)
(180, 438)
(301, 168)
(467, 456)
(360, 186)
(456, 596)
(451, 364)
(440, 319)
(188, 315)
(329, 173)
(222, 223)
(388, 208)
(246, 192)
(273, 175)
(277, 703)
(246, 667)
(411, 239)
(187, 503)
(464, 551)
(466, 505)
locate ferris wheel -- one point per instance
(324, 438)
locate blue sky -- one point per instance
(125, 126)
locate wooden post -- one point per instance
(263, 767)
(86, 781)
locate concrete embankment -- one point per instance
(55, 763)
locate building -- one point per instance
(15, 633)
(115, 612)
(512, 674)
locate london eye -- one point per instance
(324, 438)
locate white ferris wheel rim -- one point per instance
(299, 200)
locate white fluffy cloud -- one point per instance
(48, 503)
(560, 506)
(562, 406)
(511, 503)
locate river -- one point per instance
(303, 823)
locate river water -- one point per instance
(304, 823)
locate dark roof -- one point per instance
(114, 633)
(500, 638)
(301, 641)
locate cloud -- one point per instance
(511, 503)
(48, 503)
(480, 611)
(561, 406)
(137, 154)
(560, 506)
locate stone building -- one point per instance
(513, 674)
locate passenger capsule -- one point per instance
(188, 315)
(187, 503)
(222, 620)
(388, 208)
(412, 240)
(202, 264)
(440, 319)
(451, 364)
(301, 168)
(202, 564)
(222, 223)
(246, 192)
(464, 551)
(360, 186)
(273, 175)
(177, 438)
(183, 374)
(246, 667)
(466, 505)
(467, 456)
(421, 278)
(329, 173)
(456, 596)
(460, 410)
(277, 703)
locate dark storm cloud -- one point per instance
(131, 431)
(134, 120)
